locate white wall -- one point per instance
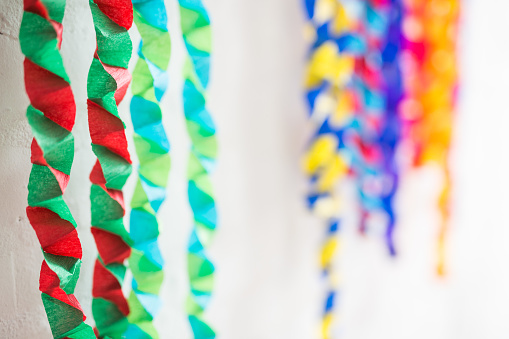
(266, 249)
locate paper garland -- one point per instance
(108, 80)
(375, 133)
(391, 132)
(332, 100)
(51, 116)
(196, 32)
(149, 84)
(430, 29)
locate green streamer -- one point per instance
(149, 84)
(196, 32)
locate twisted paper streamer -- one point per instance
(152, 146)
(376, 131)
(196, 32)
(430, 29)
(332, 100)
(108, 80)
(51, 116)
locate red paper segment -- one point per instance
(107, 130)
(37, 156)
(120, 11)
(36, 7)
(56, 235)
(111, 247)
(106, 286)
(54, 99)
(97, 175)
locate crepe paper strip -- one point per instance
(332, 99)
(375, 134)
(51, 115)
(149, 83)
(196, 32)
(108, 80)
(329, 250)
(431, 81)
(391, 135)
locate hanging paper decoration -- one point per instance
(332, 100)
(149, 83)
(196, 32)
(108, 80)
(430, 29)
(51, 116)
(375, 133)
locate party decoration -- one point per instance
(375, 133)
(149, 83)
(51, 116)
(108, 80)
(332, 99)
(196, 32)
(430, 30)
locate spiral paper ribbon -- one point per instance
(332, 100)
(376, 131)
(108, 80)
(196, 32)
(149, 84)
(430, 29)
(51, 116)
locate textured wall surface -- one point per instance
(267, 284)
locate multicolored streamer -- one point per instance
(375, 133)
(332, 101)
(149, 84)
(51, 116)
(196, 32)
(431, 76)
(108, 80)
